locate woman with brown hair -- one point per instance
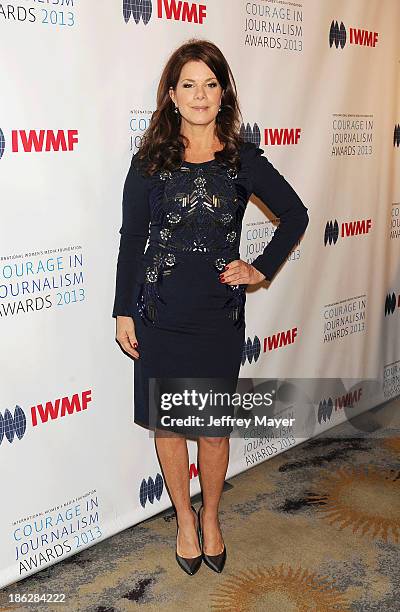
(180, 306)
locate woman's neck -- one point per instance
(202, 142)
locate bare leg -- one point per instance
(213, 458)
(174, 460)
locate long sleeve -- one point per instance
(273, 189)
(134, 232)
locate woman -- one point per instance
(180, 305)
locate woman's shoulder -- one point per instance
(137, 164)
(252, 162)
(138, 170)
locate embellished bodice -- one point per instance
(197, 209)
(195, 213)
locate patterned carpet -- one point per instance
(315, 529)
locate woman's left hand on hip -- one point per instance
(239, 272)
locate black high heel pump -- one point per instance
(191, 565)
(214, 562)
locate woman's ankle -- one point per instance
(209, 513)
(185, 515)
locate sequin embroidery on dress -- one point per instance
(194, 209)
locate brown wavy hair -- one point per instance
(163, 146)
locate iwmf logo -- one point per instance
(2, 143)
(177, 10)
(252, 348)
(391, 302)
(272, 136)
(39, 141)
(347, 228)
(348, 400)
(338, 36)
(151, 489)
(11, 426)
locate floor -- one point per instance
(316, 528)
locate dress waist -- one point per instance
(208, 253)
(161, 260)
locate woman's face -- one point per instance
(197, 94)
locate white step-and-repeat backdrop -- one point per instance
(319, 86)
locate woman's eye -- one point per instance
(187, 85)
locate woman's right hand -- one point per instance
(126, 335)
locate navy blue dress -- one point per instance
(188, 324)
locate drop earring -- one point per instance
(176, 110)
